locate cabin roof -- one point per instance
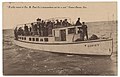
(65, 27)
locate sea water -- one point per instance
(22, 61)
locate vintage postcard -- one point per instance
(60, 38)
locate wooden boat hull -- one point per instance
(98, 47)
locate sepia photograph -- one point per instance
(60, 38)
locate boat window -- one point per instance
(29, 39)
(24, 38)
(41, 39)
(33, 39)
(71, 30)
(37, 39)
(46, 39)
(19, 37)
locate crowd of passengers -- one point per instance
(43, 28)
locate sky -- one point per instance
(21, 13)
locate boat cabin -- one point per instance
(64, 34)
(48, 32)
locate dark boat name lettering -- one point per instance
(92, 45)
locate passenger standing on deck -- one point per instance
(50, 26)
(46, 28)
(32, 29)
(43, 27)
(26, 30)
(57, 23)
(20, 31)
(81, 34)
(78, 22)
(39, 31)
(53, 23)
(35, 29)
(66, 23)
(84, 27)
(61, 23)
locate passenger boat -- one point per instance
(63, 39)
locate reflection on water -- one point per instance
(23, 61)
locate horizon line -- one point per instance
(86, 22)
